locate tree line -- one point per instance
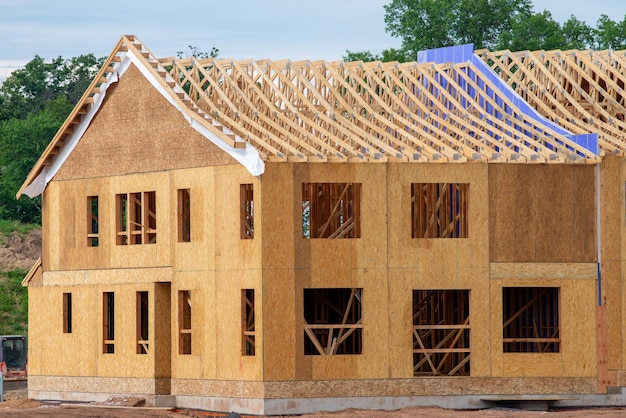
(35, 100)
(491, 24)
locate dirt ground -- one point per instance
(17, 405)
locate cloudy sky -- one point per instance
(275, 29)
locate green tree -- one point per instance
(609, 34)
(533, 32)
(194, 52)
(27, 90)
(425, 24)
(22, 141)
(577, 34)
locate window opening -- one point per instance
(92, 221)
(136, 218)
(530, 319)
(439, 210)
(67, 313)
(246, 211)
(184, 322)
(331, 210)
(108, 316)
(333, 322)
(441, 333)
(184, 216)
(247, 323)
(142, 322)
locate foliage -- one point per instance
(492, 24)
(425, 24)
(13, 303)
(194, 52)
(26, 91)
(533, 32)
(22, 141)
(609, 34)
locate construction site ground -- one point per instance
(18, 405)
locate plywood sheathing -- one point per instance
(427, 386)
(576, 358)
(136, 130)
(525, 225)
(583, 91)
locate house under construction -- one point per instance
(279, 237)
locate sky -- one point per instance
(240, 29)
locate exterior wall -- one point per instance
(139, 143)
(388, 264)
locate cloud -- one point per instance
(7, 67)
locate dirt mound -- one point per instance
(20, 250)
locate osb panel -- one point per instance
(544, 270)
(77, 352)
(281, 228)
(476, 280)
(402, 283)
(92, 384)
(613, 299)
(137, 130)
(232, 252)
(144, 255)
(612, 183)
(117, 276)
(51, 227)
(284, 361)
(542, 213)
(399, 320)
(437, 255)
(230, 363)
(124, 362)
(199, 252)
(373, 360)
(425, 386)
(577, 316)
(201, 284)
(219, 388)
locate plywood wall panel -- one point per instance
(282, 326)
(137, 130)
(577, 317)
(542, 213)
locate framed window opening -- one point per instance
(136, 218)
(530, 318)
(108, 322)
(331, 210)
(439, 210)
(184, 322)
(441, 333)
(67, 313)
(184, 215)
(92, 221)
(142, 322)
(247, 323)
(246, 196)
(333, 322)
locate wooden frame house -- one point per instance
(277, 237)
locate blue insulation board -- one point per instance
(465, 53)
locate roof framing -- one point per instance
(582, 91)
(320, 111)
